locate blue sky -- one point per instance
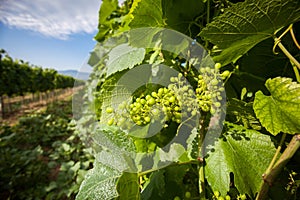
(52, 34)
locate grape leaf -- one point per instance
(165, 183)
(280, 111)
(180, 14)
(147, 14)
(245, 24)
(106, 24)
(128, 187)
(99, 183)
(155, 187)
(244, 152)
(124, 57)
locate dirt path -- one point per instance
(36, 106)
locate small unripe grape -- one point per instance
(218, 65)
(109, 110)
(147, 119)
(110, 122)
(207, 69)
(148, 97)
(225, 74)
(160, 91)
(217, 104)
(177, 198)
(143, 101)
(194, 112)
(137, 105)
(221, 198)
(216, 193)
(172, 79)
(177, 115)
(155, 112)
(227, 197)
(243, 197)
(138, 123)
(214, 82)
(188, 195)
(180, 75)
(172, 99)
(154, 94)
(151, 101)
(185, 88)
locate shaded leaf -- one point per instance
(246, 153)
(280, 111)
(245, 24)
(241, 112)
(128, 187)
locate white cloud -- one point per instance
(53, 18)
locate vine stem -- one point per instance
(276, 154)
(269, 177)
(287, 53)
(201, 159)
(283, 49)
(207, 18)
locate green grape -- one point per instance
(221, 198)
(155, 112)
(148, 97)
(147, 119)
(137, 105)
(216, 193)
(172, 99)
(110, 122)
(214, 81)
(151, 101)
(172, 79)
(154, 94)
(243, 197)
(225, 74)
(109, 110)
(188, 195)
(218, 65)
(177, 198)
(227, 197)
(217, 104)
(194, 112)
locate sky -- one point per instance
(49, 33)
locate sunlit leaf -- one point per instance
(280, 111)
(246, 153)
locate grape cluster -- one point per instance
(210, 88)
(178, 101)
(154, 105)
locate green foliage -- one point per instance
(42, 157)
(19, 78)
(124, 57)
(245, 24)
(98, 182)
(245, 153)
(126, 100)
(280, 111)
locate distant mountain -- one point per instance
(75, 74)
